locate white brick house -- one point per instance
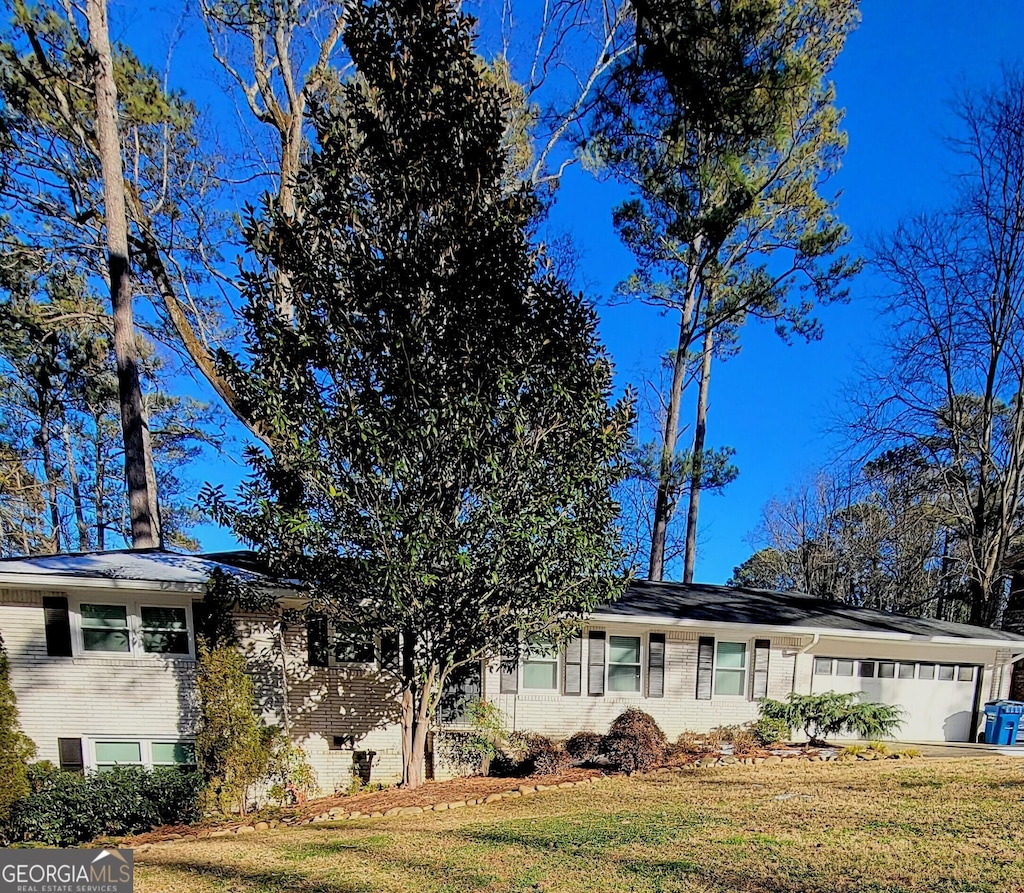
(102, 650)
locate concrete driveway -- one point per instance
(954, 749)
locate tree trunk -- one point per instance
(76, 490)
(49, 472)
(663, 506)
(697, 459)
(100, 488)
(138, 459)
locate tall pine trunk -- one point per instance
(76, 488)
(138, 458)
(697, 459)
(49, 471)
(663, 505)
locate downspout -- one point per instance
(814, 641)
(284, 680)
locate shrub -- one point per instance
(769, 730)
(634, 742)
(744, 741)
(690, 743)
(69, 808)
(831, 713)
(458, 751)
(878, 747)
(16, 748)
(584, 747)
(233, 747)
(545, 757)
(289, 772)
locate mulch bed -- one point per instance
(431, 792)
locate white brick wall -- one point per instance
(557, 715)
(154, 698)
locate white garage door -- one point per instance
(937, 699)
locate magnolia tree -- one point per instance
(444, 446)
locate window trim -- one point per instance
(746, 669)
(133, 608)
(145, 751)
(641, 677)
(332, 661)
(537, 656)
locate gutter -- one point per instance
(814, 641)
(1016, 645)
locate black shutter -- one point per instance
(595, 664)
(70, 750)
(656, 666)
(509, 669)
(762, 648)
(57, 625)
(705, 667)
(317, 641)
(572, 667)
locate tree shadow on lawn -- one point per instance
(238, 878)
(450, 870)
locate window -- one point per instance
(946, 673)
(624, 663)
(906, 671)
(117, 753)
(164, 630)
(886, 669)
(105, 628)
(844, 667)
(132, 630)
(965, 674)
(823, 666)
(926, 671)
(867, 669)
(173, 753)
(149, 754)
(351, 645)
(540, 669)
(731, 669)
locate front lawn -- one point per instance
(923, 825)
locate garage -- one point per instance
(939, 700)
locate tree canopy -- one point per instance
(444, 447)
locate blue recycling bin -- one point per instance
(1002, 720)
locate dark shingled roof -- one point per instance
(724, 604)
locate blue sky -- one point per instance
(773, 403)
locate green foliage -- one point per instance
(16, 749)
(444, 449)
(771, 730)
(832, 713)
(634, 742)
(65, 808)
(233, 749)
(289, 772)
(584, 747)
(471, 752)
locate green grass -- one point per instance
(882, 827)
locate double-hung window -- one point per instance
(134, 629)
(351, 644)
(105, 628)
(540, 669)
(624, 663)
(731, 669)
